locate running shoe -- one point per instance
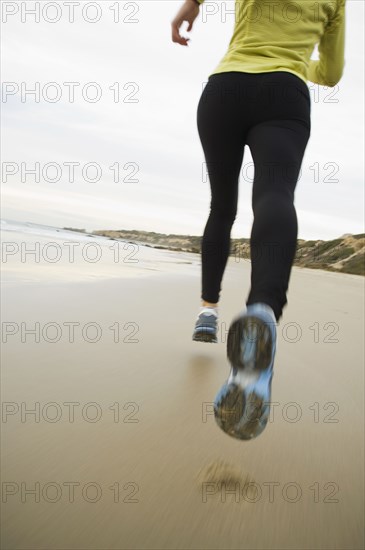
(206, 327)
(242, 405)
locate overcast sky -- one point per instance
(144, 122)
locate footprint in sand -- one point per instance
(219, 478)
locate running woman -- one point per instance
(258, 96)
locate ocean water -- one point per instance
(33, 252)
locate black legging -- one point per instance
(271, 113)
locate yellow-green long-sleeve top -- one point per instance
(280, 35)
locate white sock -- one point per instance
(209, 310)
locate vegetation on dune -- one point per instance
(343, 255)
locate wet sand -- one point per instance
(122, 450)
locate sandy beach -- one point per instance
(109, 438)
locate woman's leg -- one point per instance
(277, 148)
(223, 145)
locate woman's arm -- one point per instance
(328, 70)
(188, 12)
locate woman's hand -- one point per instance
(188, 12)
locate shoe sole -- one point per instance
(239, 415)
(249, 330)
(239, 411)
(205, 337)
